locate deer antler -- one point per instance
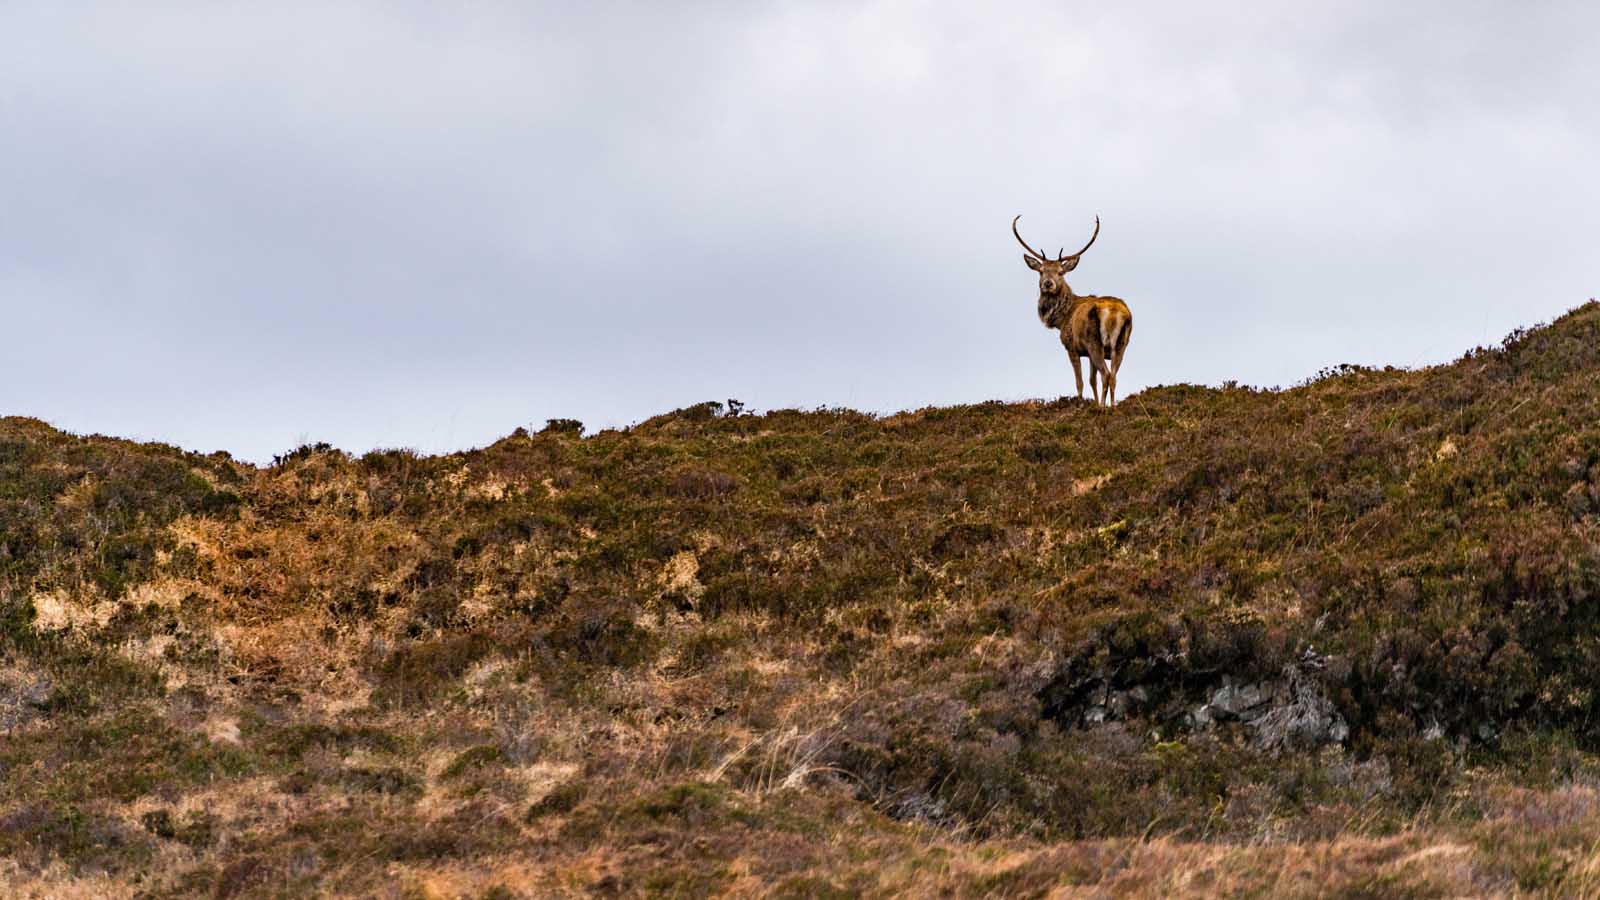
(1031, 252)
(1091, 239)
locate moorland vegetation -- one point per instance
(1338, 639)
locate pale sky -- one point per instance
(245, 226)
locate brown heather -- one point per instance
(1336, 640)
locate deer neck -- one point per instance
(1053, 308)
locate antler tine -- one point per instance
(1031, 252)
(1091, 239)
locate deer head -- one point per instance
(1052, 272)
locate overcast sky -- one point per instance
(243, 226)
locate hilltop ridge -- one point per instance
(1336, 637)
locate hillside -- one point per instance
(1338, 639)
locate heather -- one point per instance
(1333, 639)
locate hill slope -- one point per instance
(1339, 637)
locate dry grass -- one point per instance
(974, 651)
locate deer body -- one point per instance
(1096, 327)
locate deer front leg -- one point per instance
(1077, 371)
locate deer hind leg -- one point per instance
(1108, 359)
(1111, 377)
(1120, 348)
(1097, 366)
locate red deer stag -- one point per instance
(1096, 327)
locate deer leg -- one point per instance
(1118, 351)
(1077, 371)
(1116, 363)
(1097, 364)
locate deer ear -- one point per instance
(1032, 263)
(1069, 264)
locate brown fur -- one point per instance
(1096, 327)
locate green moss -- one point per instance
(121, 757)
(474, 758)
(40, 833)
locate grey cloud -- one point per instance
(389, 224)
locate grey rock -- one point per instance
(1124, 702)
(1306, 719)
(1222, 705)
(1249, 697)
(1243, 701)
(921, 806)
(1338, 730)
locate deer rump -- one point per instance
(1097, 327)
